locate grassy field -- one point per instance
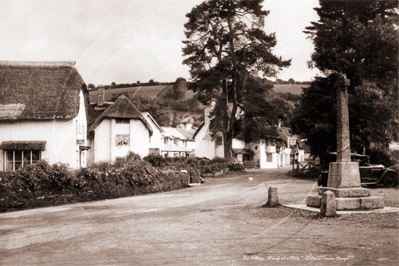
(145, 91)
(294, 89)
(155, 91)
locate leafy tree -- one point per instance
(151, 106)
(291, 81)
(358, 39)
(315, 116)
(179, 89)
(113, 84)
(225, 47)
(91, 86)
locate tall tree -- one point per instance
(225, 46)
(315, 116)
(358, 39)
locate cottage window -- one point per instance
(123, 121)
(176, 154)
(219, 141)
(165, 141)
(176, 141)
(17, 159)
(122, 140)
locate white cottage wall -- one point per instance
(204, 146)
(59, 135)
(156, 138)
(139, 138)
(102, 141)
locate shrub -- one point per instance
(156, 160)
(386, 158)
(237, 167)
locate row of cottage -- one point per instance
(45, 114)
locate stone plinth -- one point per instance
(313, 201)
(347, 204)
(347, 192)
(351, 203)
(372, 203)
(343, 175)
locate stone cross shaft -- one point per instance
(343, 138)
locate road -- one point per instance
(221, 222)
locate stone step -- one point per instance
(347, 192)
(352, 203)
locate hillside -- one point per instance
(143, 91)
(294, 89)
(159, 91)
(156, 91)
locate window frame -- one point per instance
(23, 162)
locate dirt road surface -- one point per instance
(221, 222)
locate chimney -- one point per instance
(100, 96)
(207, 112)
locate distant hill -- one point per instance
(294, 89)
(143, 91)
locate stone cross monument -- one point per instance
(343, 175)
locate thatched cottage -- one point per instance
(120, 128)
(42, 114)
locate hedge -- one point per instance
(42, 184)
(204, 166)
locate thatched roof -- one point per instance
(39, 90)
(187, 133)
(23, 145)
(122, 108)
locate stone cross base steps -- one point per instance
(355, 198)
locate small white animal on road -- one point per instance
(251, 179)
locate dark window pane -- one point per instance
(9, 166)
(26, 157)
(35, 156)
(18, 156)
(9, 156)
(18, 165)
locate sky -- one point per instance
(125, 41)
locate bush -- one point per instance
(29, 186)
(386, 158)
(156, 160)
(237, 167)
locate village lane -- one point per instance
(220, 222)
